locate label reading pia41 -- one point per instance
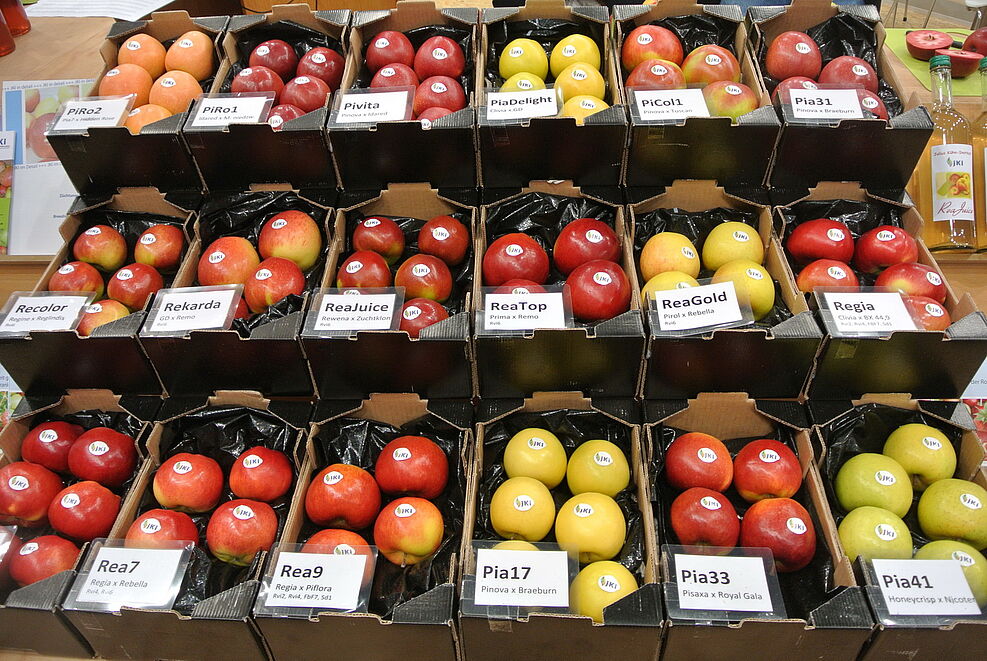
(329, 581)
(925, 587)
(669, 105)
(522, 105)
(522, 578)
(523, 311)
(140, 578)
(696, 308)
(722, 583)
(825, 104)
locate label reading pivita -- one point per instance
(952, 183)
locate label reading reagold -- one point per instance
(670, 105)
(952, 182)
(825, 104)
(925, 587)
(522, 578)
(522, 105)
(696, 307)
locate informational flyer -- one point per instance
(10, 396)
(7, 139)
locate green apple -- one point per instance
(973, 562)
(46, 106)
(872, 532)
(873, 479)
(68, 92)
(954, 509)
(924, 452)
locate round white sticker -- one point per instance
(568, 50)
(602, 278)
(536, 443)
(420, 270)
(319, 58)
(133, 45)
(168, 82)
(803, 47)
(439, 88)
(70, 500)
(835, 234)
(98, 448)
(859, 69)
(29, 548)
(247, 72)
(148, 239)
(344, 549)
(371, 222)
(587, 104)
(594, 236)
(754, 274)
(261, 50)
(49, 435)
(332, 477)
(93, 231)
(95, 308)
(440, 233)
(65, 270)
(602, 458)
(932, 443)
(523, 503)
(404, 510)
(710, 503)
(884, 478)
(263, 274)
(302, 80)
(387, 72)
(796, 525)
(836, 272)
(644, 38)
(659, 70)
(150, 526)
(706, 455)
(885, 235)
(516, 51)
(869, 102)
(768, 456)
(426, 123)
(412, 312)
(934, 309)
(182, 467)
(252, 461)
(278, 223)
(354, 266)
(809, 85)
(713, 60)
(243, 512)
(514, 250)
(970, 501)
(124, 274)
(964, 559)
(520, 290)
(582, 510)
(733, 90)
(933, 278)
(217, 257)
(401, 454)
(688, 252)
(18, 483)
(382, 43)
(885, 532)
(525, 84)
(608, 583)
(741, 236)
(439, 53)
(112, 72)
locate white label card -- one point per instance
(509, 312)
(316, 580)
(133, 577)
(344, 312)
(826, 104)
(179, 311)
(696, 307)
(658, 105)
(8, 141)
(522, 105)
(854, 313)
(223, 111)
(373, 107)
(522, 578)
(43, 313)
(925, 587)
(82, 114)
(722, 583)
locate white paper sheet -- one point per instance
(127, 10)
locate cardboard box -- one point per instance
(513, 154)
(636, 619)
(875, 416)
(880, 153)
(220, 624)
(923, 363)
(239, 155)
(405, 151)
(827, 618)
(27, 612)
(596, 359)
(100, 160)
(46, 362)
(699, 147)
(765, 361)
(421, 628)
(439, 363)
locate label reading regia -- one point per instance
(223, 111)
(316, 580)
(868, 312)
(179, 311)
(522, 105)
(133, 577)
(665, 105)
(696, 307)
(373, 107)
(516, 311)
(823, 104)
(82, 114)
(40, 313)
(722, 583)
(355, 311)
(952, 182)
(522, 578)
(924, 587)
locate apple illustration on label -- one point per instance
(408, 531)
(103, 455)
(48, 444)
(650, 42)
(698, 460)
(342, 496)
(584, 240)
(26, 492)
(785, 527)
(188, 482)
(42, 558)
(160, 246)
(363, 269)
(413, 466)
(159, 528)
(445, 238)
(261, 473)
(76, 276)
(84, 511)
(703, 517)
(514, 256)
(239, 529)
(381, 235)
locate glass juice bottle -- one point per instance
(980, 162)
(16, 17)
(945, 183)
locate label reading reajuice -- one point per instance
(952, 182)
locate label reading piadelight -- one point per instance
(522, 578)
(865, 313)
(924, 587)
(329, 581)
(952, 182)
(353, 311)
(26, 313)
(133, 577)
(88, 113)
(825, 104)
(696, 307)
(669, 105)
(722, 583)
(523, 311)
(373, 107)
(177, 311)
(218, 112)
(521, 105)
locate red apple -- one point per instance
(188, 483)
(293, 235)
(446, 238)
(439, 56)
(793, 54)
(784, 526)
(728, 99)
(599, 290)
(48, 444)
(76, 276)
(363, 269)
(155, 529)
(10, 544)
(103, 455)
(821, 238)
(282, 113)
(257, 79)
(274, 279)
(976, 42)
(324, 64)
(395, 75)
(307, 93)
(229, 260)
(708, 64)
(584, 240)
(927, 313)
(961, 62)
(133, 285)
(766, 469)
(102, 246)
(783, 89)
(342, 496)
(412, 466)
(704, 517)
(656, 75)
(519, 286)
(884, 246)
(388, 47)
(923, 44)
(429, 115)
(424, 276)
(439, 91)
(913, 279)
(698, 460)
(42, 558)
(32, 98)
(276, 55)
(36, 139)
(239, 529)
(849, 71)
(242, 311)
(99, 313)
(26, 491)
(261, 473)
(826, 273)
(160, 246)
(381, 235)
(514, 256)
(420, 313)
(872, 103)
(650, 42)
(84, 511)
(342, 542)
(408, 531)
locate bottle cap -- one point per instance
(939, 61)
(983, 64)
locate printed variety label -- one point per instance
(181, 310)
(522, 578)
(925, 587)
(317, 580)
(696, 307)
(670, 105)
(41, 313)
(522, 105)
(518, 311)
(223, 111)
(855, 313)
(355, 311)
(722, 583)
(825, 104)
(373, 107)
(952, 183)
(82, 114)
(133, 577)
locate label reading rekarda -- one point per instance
(223, 111)
(317, 580)
(38, 313)
(722, 583)
(696, 307)
(373, 107)
(855, 313)
(825, 104)
(670, 105)
(355, 311)
(82, 114)
(925, 587)
(952, 182)
(523, 311)
(133, 577)
(522, 105)
(522, 578)
(179, 311)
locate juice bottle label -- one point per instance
(952, 182)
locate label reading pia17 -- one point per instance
(522, 578)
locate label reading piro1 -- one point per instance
(222, 111)
(952, 183)
(522, 578)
